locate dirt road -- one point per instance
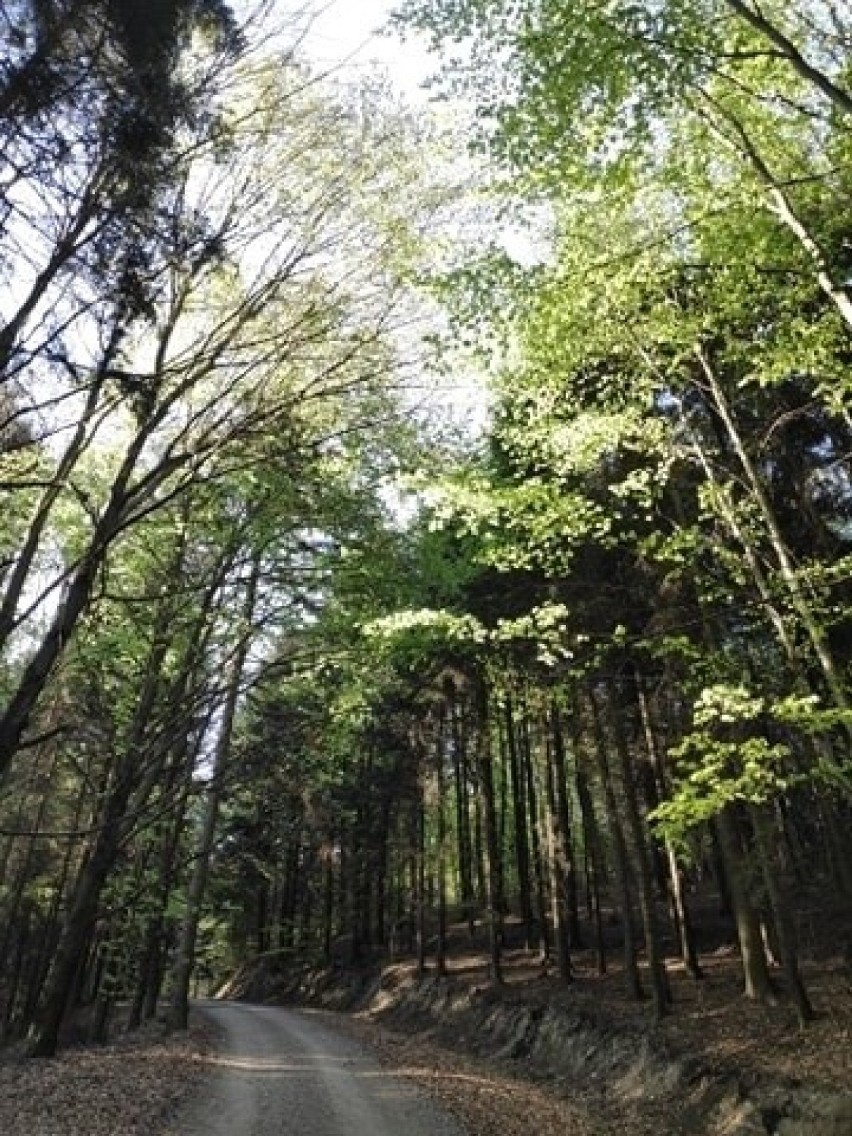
(280, 1073)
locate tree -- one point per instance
(230, 404)
(248, 325)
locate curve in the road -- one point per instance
(281, 1073)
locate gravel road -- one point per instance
(279, 1073)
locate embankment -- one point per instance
(546, 1039)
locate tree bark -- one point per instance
(594, 853)
(185, 960)
(653, 939)
(521, 834)
(493, 852)
(557, 864)
(779, 906)
(682, 921)
(620, 855)
(757, 983)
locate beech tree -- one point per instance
(255, 714)
(645, 655)
(209, 413)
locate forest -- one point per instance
(297, 668)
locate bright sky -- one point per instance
(345, 37)
(345, 33)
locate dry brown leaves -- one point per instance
(486, 1100)
(131, 1088)
(711, 1022)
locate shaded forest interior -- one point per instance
(296, 673)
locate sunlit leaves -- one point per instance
(740, 749)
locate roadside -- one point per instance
(565, 1060)
(146, 1083)
(141, 1085)
(588, 1057)
(486, 1099)
(132, 1087)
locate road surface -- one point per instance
(283, 1073)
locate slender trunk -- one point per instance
(782, 44)
(78, 232)
(493, 857)
(532, 795)
(82, 913)
(144, 1004)
(463, 839)
(328, 904)
(20, 573)
(758, 985)
(729, 516)
(441, 868)
(38, 670)
(50, 925)
(420, 880)
(786, 567)
(185, 960)
(636, 826)
(681, 918)
(479, 854)
(382, 853)
(557, 866)
(779, 906)
(521, 834)
(731, 131)
(12, 904)
(620, 856)
(565, 845)
(107, 991)
(595, 859)
(15, 973)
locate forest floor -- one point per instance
(136, 1085)
(487, 1099)
(709, 1019)
(142, 1086)
(132, 1087)
(758, 1051)
(710, 1024)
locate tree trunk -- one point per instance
(594, 854)
(463, 838)
(787, 570)
(83, 912)
(565, 847)
(680, 913)
(620, 856)
(784, 46)
(185, 959)
(779, 906)
(327, 904)
(35, 674)
(636, 825)
(441, 867)
(557, 867)
(521, 833)
(757, 983)
(532, 795)
(420, 892)
(493, 853)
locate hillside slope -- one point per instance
(709, 1069)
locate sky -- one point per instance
(345, 33)
(345, 38)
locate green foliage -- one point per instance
(728, 755)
